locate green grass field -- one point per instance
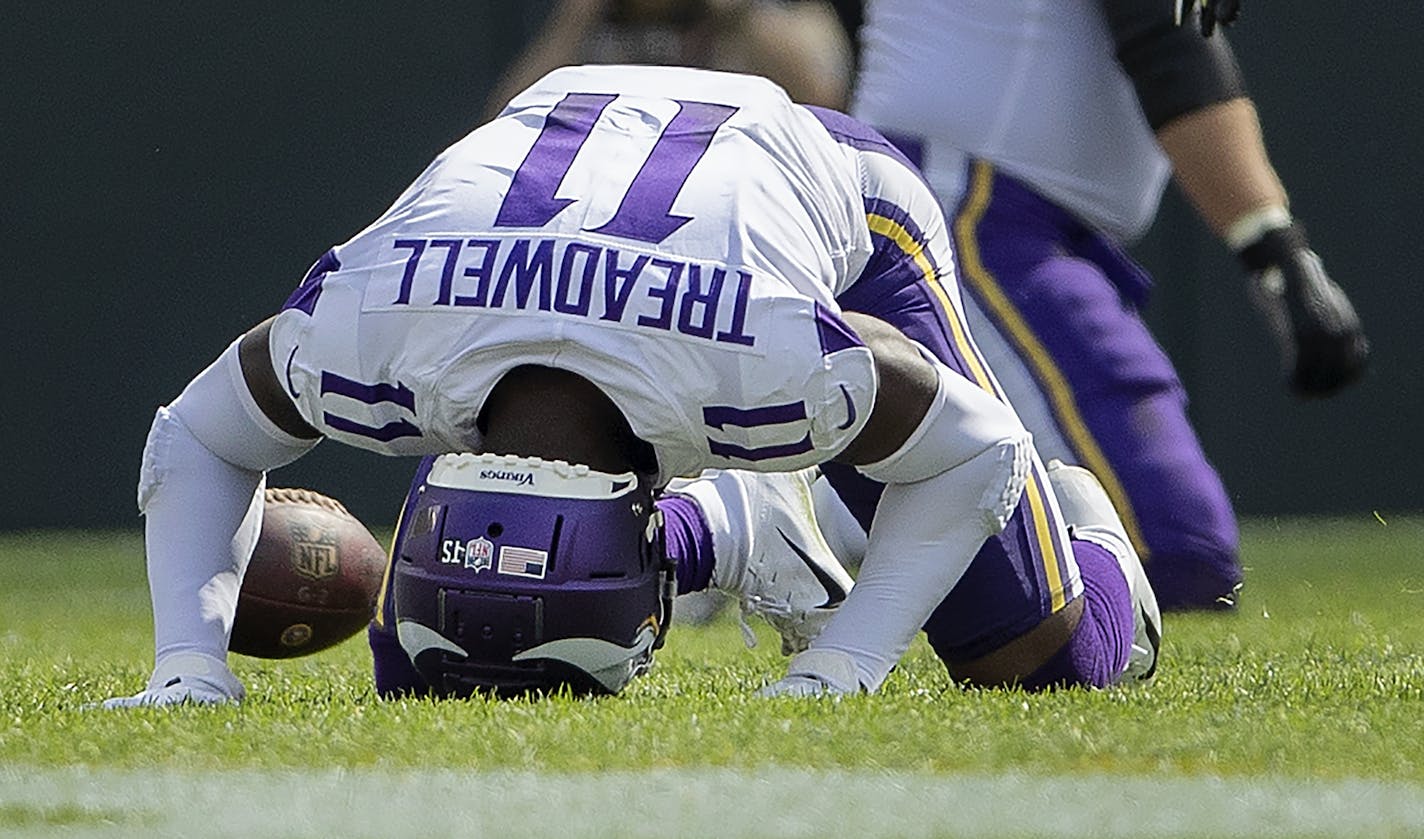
(1301, 715)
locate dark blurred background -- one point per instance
(171, 170)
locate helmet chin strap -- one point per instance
(657, 543)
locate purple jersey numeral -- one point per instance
(417, 248)
(721, 416)
(370, 394)
(530, 201)
(645, 213)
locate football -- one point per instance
(313, 579)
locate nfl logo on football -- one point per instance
(315, 560)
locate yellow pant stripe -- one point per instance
(386, 578)
(1049, 548)
(896, 233)
(1060, 395)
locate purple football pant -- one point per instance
(394, 672)
(1029, 571)
(1054, 306)
(1099, 648)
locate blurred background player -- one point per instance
(1048, 131)
(796, 43)
(535, 293)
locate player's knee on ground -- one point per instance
(1016, 661)
(1086, 643)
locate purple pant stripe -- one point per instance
(1066, 300)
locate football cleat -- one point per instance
(185, 679)
(779, 566)
(1090, 515)
(817, 673)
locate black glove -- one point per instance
(1322, 345)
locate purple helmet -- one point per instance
(515, 575)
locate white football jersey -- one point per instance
(675, 236)
(1032, 85)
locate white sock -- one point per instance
(846, 538)
(203, 512)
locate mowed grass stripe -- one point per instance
(781, 803)
(1302, 715)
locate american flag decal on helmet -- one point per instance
(523, 562)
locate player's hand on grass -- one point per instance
(816, 673)
(185, 678)
(1323, 347)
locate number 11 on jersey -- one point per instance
(645, 213)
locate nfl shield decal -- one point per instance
(476, 554)
(479, 554)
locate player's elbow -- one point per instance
(967, 438)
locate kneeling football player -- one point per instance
(638, 274)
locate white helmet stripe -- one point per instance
(605, 661)
(416, 638)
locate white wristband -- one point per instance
(1251, 226)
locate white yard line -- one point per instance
(687, 804)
